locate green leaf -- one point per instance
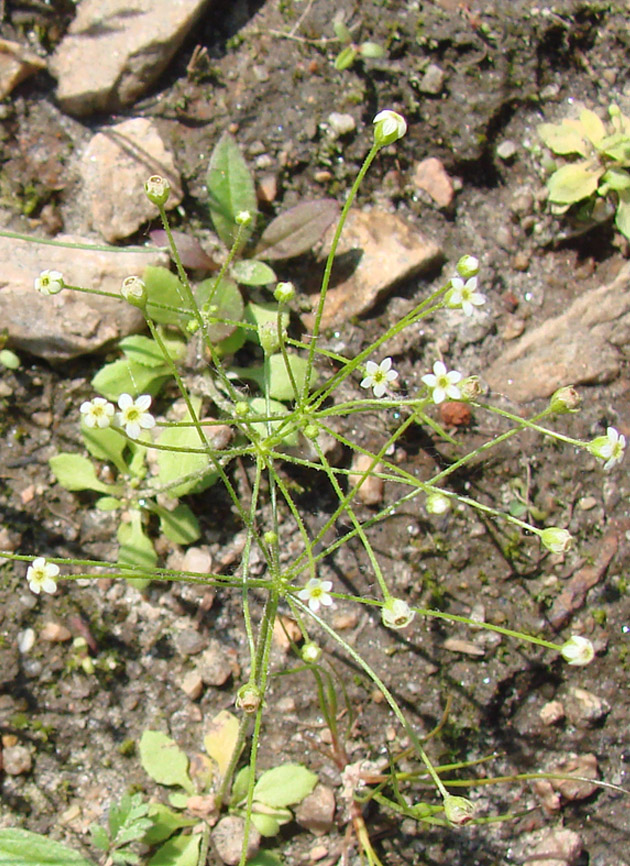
(180, 524)
(221, 307)
(284, 785)
(622, 217)
(298, 229)
(221, 739)
(128, 377)
(77, 473)
(260, 314)
(194, 469)
(178, 851)
(239, 788)
(23, 848)
(341, 31)
(574, 182)
(165, 823)
(259, 407)
(563, 138)
(178, 799)
(280, 385)
(136, 548)
(9, 359)
(163, 287)
(345, 58)
(164, 761)
(105, 444)
(617, 179)
(251, 272)
(372, 50)
(267, 825)
(593, 126)
(142, 350)
(230, 190)
(99, 837)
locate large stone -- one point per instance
(377, 250)
(114, 168)
(16, 64)
(578, 347)
(60, 327)
(113, 51)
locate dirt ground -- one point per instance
(508, 66)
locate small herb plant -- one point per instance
(600, 154)
(294, 407)
(352, 51)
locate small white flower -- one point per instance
(389, 127)
(442, 383)
(578, 651)
(378, 376)
(135, 416)
(97, 412)
(243, 218)
(609, 447)
(311, 653)
(396, 613)
(465, 295)
(316, 592)
(40, 576)
(437, 503)
(49, 282)
(556, 540)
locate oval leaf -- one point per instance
(572, 183)
(163, 287)
(280, 384)
(562, 139)
(164, 761)
(617, 179)
(127, 377)
(230, 190)
(180, 524)
(593, 126)
(221, 739)
(285, 785)
(77, 473)
(22, 848)
(142, 350)
(221, 306)
(193, 468)
(179, 851)
(297, 230)
(136, 548)
(622, 218)
(189, 249)
(250, 272)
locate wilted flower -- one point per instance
(134, 290)
(396, 613)
(458, 810)
(134, 416)
(556, 540)
(465, 295)
(609, 447)
(97, 412)
(565, 400)
(316, 592)
(442, 383)
(249, 698)
(157, 189)
(49, 282)
(41, 576)
(389, 127)
(378, 376)
(578, 651)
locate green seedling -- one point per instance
(352, 51)
(600, 154)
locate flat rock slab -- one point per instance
(63, 326)
(578, 347)
(114, 167)
(377, 250)
(114, 50)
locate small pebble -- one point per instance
(433, 80)
(506, 150)
(17, 760)
(316, 812)
(371, 490)
(455, 645)
(214, 665)
(341, 124)
(586, 503)
(55, 633)
(26, 640)
(551, 713)
(192, 685)
(228, 839)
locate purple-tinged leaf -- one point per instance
(190, 250)
(297, 230)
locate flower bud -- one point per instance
(311, 653)
(157, 190)
(49, 282)
(243, 218)
(241, 408)
(565, 400)
(396, 613)
(270, 537)
(311, 431)
(389, 127)
(578, 651)
(556, 540)
(468, 266)
(134, 291)
(248, 698)
(458, 810)
(284, 292)
(437, 503)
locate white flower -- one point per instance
(578, 650)
(378, 376)
(609, 447)
(556, 540)
(396, 613)
(389, 127)
(41, 574)
(243, 218)
(443, 384)
(465, 295)
(437, 503)
(316, 592)
(97, 412)
(49, 282)
(135, 415)
(468, 266)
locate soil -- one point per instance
(508, 66)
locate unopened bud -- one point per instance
(389, 126)
(458, 810)
(157, 190)
(134, 291)
(243, 218)
(311, 653)
(311, 431)
(270, 537)
(284, 292)
(468, 266)
(241, 408)
(437, 503)
(565, 400)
